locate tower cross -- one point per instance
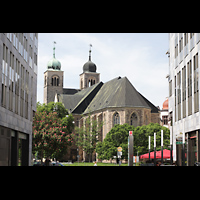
(90, 52)
(54, 49)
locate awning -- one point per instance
(166, 154)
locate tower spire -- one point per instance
(90, 52)
(54, 49)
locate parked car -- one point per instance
(38, 163)
(56, 164)
(197, 164)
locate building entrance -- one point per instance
(192, 148)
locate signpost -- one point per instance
(119, 154)
(135, 159)
(119, 149)
(130, 148)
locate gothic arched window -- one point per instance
(134, 120)
(81, 83)
(52, 81)
(55, 81)
(45, 80)
(116, 118)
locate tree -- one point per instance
(52, 130)
(87, 136)
(53, 107)
(118, 136)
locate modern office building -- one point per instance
(184, 51)
(18, 90)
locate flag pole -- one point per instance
(154, 149)
(149, 147)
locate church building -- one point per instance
(113, 102)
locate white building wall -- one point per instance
(176, 65)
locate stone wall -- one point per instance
(49, 90)
(144, 116)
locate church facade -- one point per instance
(113, 102)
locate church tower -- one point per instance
(89, 76)
(53, 79)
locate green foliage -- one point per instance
(52, 130)
(118, 136)
(86, 137)
(53, 107)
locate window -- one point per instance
(189, 77)
(11, 81)
(116, 118)
(170, 88)
(179, 94)
(176, 50)
(91, 82)
(5, 76)
(185, 38)
(134, 120)
(17, 76)
(165, 120)
(184, 91)
(175, 96)
(196, 83)
(81, 83)
(146, 121)
(180, 44)
(45, 80)
(55, 81)
(22, 91)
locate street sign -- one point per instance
(135, 159)
(130, 133)
(119, 149)
(119, 154)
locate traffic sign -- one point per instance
(130, 133)
(119, 149)
(119, 154)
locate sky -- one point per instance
(141, 57)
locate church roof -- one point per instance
(118, 92)
(78, 102)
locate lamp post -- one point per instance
(154, 149)
(162, 146)
(171, 146)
